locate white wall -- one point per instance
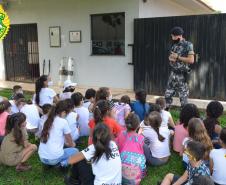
(112, 71)
(163, 8)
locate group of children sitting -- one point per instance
(123, 137)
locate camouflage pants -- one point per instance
(176, 84)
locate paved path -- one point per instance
(117, 93)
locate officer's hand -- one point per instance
(174, 55)
(172, 59)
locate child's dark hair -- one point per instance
(214, 110)
(141, 96)
(13, 124)
(39, 84)
(101, 110)
(60, 107)
(102, 93)
(161, 102)
(154, 107)
(132, 122)
(19, 96)
(4, 105)
(46, 108)
(101, 141)
(202, 180)
(77, 98)
(154, 120)
(188, 111)
(125, 99)
(90, 93)
(196, 149)
(223, 135)
(16, 88)
(70, 104)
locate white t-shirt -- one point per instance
(32, 115)
(42, 120)
(46, 96)
(86, 104)
(53, 148)
(14, 108)
(65, 95)
(219, 165)
(108, 172)
(72, 122)
(158, 149)
(165, 115)
(83, 120)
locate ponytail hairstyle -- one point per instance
(154, 120)
(13, 124)
(60, 107)
(101, 110)
(197, 131)
(214, 110)
(101, 142)
(132, 122)
(39, 84)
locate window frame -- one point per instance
(91, 34)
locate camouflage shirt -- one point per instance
(183, 49)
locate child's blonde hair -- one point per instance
(197, 132)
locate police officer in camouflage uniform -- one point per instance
(180, 57)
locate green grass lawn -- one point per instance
(39, 176)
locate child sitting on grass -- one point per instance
(156, 148)
(15, 148)
(213, 111)
(197, 132)
(131, 151)
(196, 167)
(55, 134)
(140, 106)
(102, 113)
(188, 111)
(122, 110)
(167, 120)
(218, 161)
(16, 90)
(104, 157)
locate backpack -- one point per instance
(133, 163)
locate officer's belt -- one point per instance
(179, 72)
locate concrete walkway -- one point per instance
(117, 93)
